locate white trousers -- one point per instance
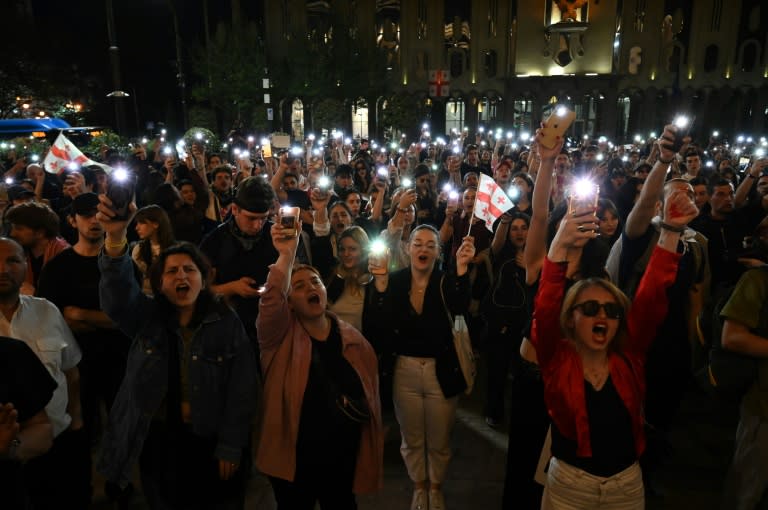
(570, 488)
(426, 419)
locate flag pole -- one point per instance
(472, 217)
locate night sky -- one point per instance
(75, 34)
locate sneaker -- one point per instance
(492, 422)
(436, 500)
(419, 501)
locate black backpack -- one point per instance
(724, 374)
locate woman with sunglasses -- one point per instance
(591, 348)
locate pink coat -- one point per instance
(286, 352)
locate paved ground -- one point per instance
(692, 478)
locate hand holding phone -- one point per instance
(556, 125)
(122, 186)
(289, 220)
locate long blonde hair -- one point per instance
(566, 312)
(351, 276)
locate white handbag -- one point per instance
(462, 343)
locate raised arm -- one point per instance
(120, 297)
(274, 313)
(536, 245)
(574, 232)
(644, 209)
(649, 307)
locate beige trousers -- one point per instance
(426, 419)
(570, 488)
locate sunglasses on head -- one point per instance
(591, 308)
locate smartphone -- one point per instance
(122, 186)
(743, 161)
(683, 125)
(584, 194)
(323, 185)
(266, 149)
(377, 252)
(289, 220)
(556, 125)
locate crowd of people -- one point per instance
(256, 310)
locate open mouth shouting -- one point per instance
(182, 290)
(600, 332)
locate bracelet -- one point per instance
(671, 228)
(122, 244)
(666, 162)
(402, 210)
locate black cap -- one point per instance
(85, 204)
(421, 169)
(17, 192)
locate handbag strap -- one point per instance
(445, 304)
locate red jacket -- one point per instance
(561, 366)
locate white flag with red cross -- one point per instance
(64, 155)
(439, 83)
(491, 201)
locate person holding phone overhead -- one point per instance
(591, 345)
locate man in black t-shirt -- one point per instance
(25, 432)
(71, 282)
(240, 251)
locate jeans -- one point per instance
(570, 488)
(426, 418)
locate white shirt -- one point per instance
(41, 326)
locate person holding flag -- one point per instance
(63, 156)
(479, 207)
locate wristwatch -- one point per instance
(13, 449)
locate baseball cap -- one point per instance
(17, 192)
(85, 204)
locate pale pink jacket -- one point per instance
(286, 352)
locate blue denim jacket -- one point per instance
(222, 373)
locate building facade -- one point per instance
(624, 66)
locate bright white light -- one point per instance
(383, 150)
(245, 155)
(513, 193)
(297, 151)
(749, 139)
(35, 158)
(583, 188)
(616, 44)
(638, 138)
(251, 139)
(602, 139)
(167, 151)
(347, 141)
(9, 180)
(681, 122)
(456, 149)
(737, 151)
(715, 133)
(427, 134)
(324, 182)
(447, 187)
(425, 126)
(144, 140)
(561, 111)
(163, 131)
(407, 183)
(510, 134)
(525, 136)
(120, 174)
(759, 153)
(377, 247)
(586, 137)
(73, 166)
(710, 164)
(381, 172)
(625, 158)
(453, 194)
(481, 129)
(311, 137)
(740, 138)
(264, 141)
(652, 134)
(236, 151)
(3, 145)
(599, 157)
(393, 145)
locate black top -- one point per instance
(328, 441)
(610, 432)
(26, 384)
(234, 256)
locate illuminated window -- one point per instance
(360, 118)
(564, 10)
(454, 115)
(523, 114)
(297, 119)
(487, 110)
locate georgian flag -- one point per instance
(64, 155)
(491, 201)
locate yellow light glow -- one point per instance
(765, 74)
(690, 74)
(405, 78)
(25, 106)
(727, 73)
(555, 71)
(653, 75)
